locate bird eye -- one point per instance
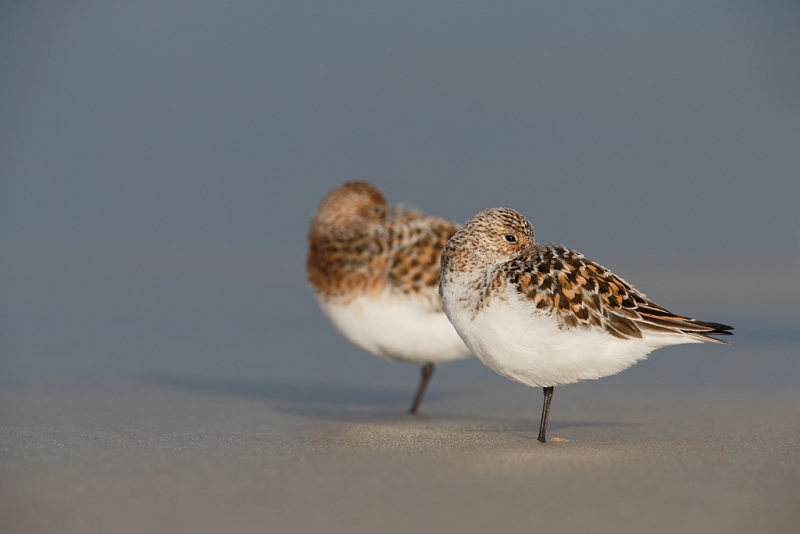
(377, 210)
(510, 238)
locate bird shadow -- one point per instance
(318, 400)
(356, 403)
(289, 391)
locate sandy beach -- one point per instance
(632, 453)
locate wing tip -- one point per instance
(718, 329)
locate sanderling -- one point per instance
(374, 270)
(544, 315)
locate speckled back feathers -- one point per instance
(358, 245)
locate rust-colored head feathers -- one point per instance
(351, 204)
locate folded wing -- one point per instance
(583, 294)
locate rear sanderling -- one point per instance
(374, 270)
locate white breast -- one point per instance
(398, 328)
(512, 338)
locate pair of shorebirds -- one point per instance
(415, 288)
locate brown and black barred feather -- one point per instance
(584, 294)
(416, 242)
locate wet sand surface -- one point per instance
(177, 454)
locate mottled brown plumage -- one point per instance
(374, 270)
(358, 245)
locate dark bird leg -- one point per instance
(427, 372)
(548, 396)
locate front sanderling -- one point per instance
(544, 315)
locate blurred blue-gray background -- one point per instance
(160, 161)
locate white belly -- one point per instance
(511, 338)
(398, 328)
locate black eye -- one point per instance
(377, 210)
(510, 238)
